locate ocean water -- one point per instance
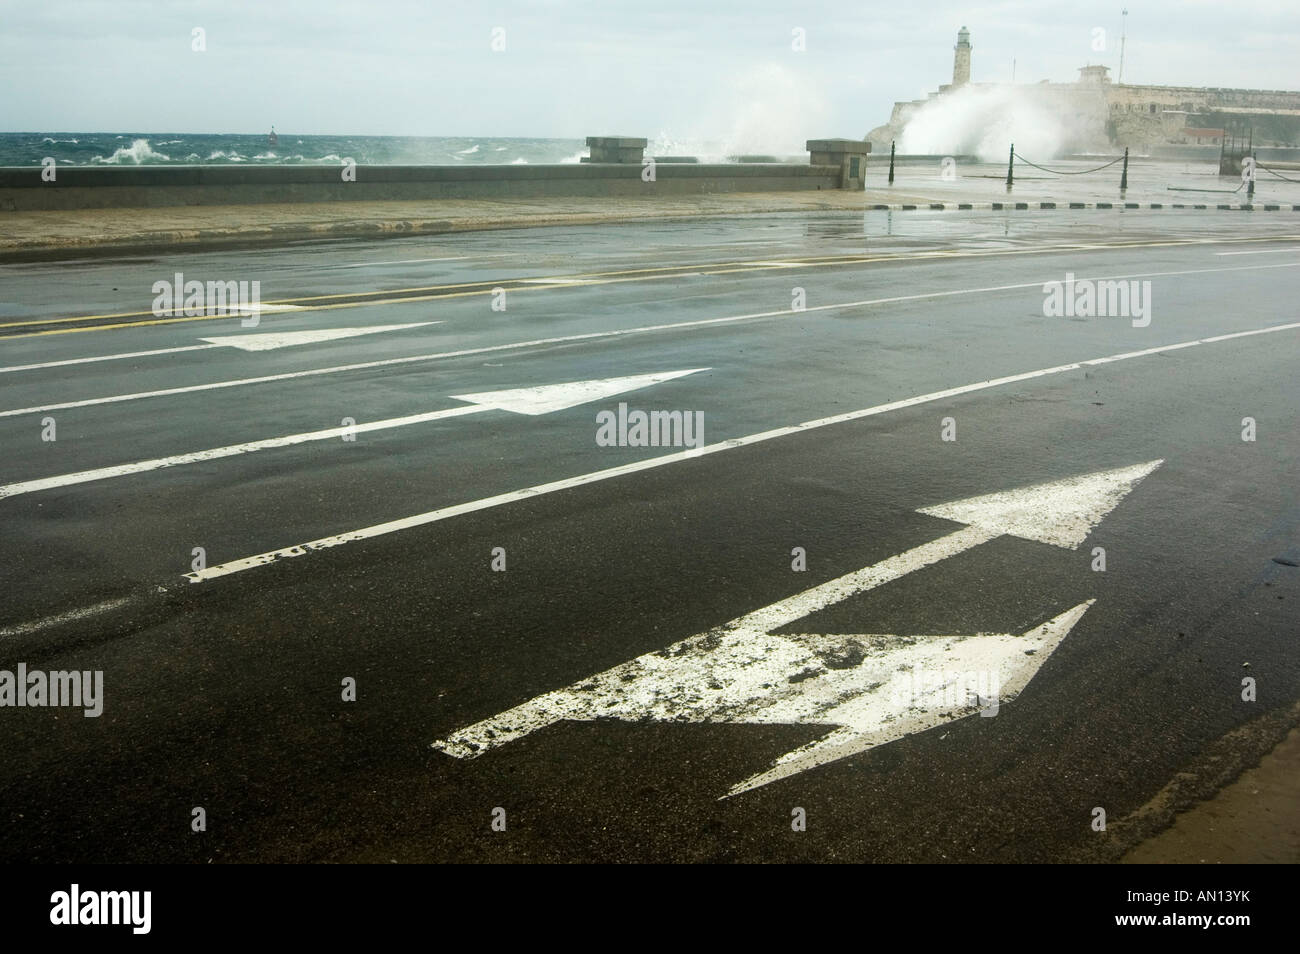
(187, 149)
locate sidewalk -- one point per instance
(1238, 804)
(55, 234)
(1255, 820)
(67, 233)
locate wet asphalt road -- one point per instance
(226, 693)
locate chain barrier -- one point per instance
(1066, 172)
(1272, 173)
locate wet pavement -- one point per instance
(508, 552)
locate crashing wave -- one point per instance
(138, 152)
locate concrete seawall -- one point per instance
(24, 189)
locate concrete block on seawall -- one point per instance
(621, 149)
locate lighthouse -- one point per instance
(961, 59)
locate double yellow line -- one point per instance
(551, 283)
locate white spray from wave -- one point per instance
(774, 110)
(769, 109)
(984, 121)
(139, 151)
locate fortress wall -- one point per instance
(1133, 98)
(1097, 112)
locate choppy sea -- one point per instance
(170, 149)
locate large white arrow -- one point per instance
(870, 689)
(537, 400)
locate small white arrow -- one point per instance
(539, 400)
(744, 672)
(265, 341)
(556, 397)
(270, 340)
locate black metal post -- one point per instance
(891, 162)
(1123, 178)
(1011, 161)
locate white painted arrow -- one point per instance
(539, 400)
(865, 686)
(265, 341)
(270, 340)
(556, 397)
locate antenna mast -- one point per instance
(1123, 36)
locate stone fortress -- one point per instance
(1099, 114)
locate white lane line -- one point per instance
(23, 629)
(1262, 251)
(531, 401)
(595, 336)
(231, 450)
(567, 483)
(403, 261)
(106, 357)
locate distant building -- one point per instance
(1102, 114)
(1094, 75)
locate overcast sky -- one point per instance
(674, 69)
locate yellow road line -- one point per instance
(605, 278)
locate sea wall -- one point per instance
(149, 186)
(616, 166)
